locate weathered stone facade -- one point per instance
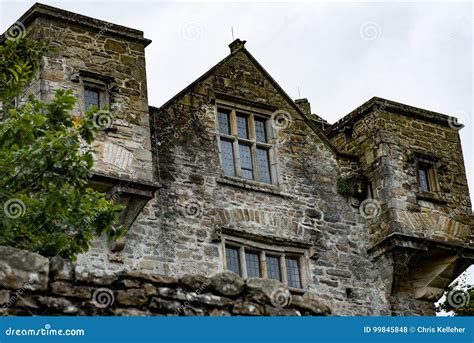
(422, 240)
(345, 197)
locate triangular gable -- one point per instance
(266, 75)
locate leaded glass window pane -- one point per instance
(260, 131)
(232, 259)
(253, 264)
(263, 166)
(227, 158)
(91, 97)
(246, 161)
(424, 179)
(293, 272)
(224, 122)
(242, 127)
(273, 267)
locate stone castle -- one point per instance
(371, 214)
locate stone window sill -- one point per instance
(431, 197)
(252, 185)
(297, 291)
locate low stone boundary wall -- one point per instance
(31, 284)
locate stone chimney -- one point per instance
(237, 45)
(304, 105)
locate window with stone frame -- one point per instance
(95, 94)
(95, 89)
(245, 146)
(285, 266)
(427, 175)
(91, 98)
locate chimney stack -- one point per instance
(304, 105)
(237, 45)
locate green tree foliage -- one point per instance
(46, 161)
(458, 300)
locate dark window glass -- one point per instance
(232, 259)
(246, 161)
(260, 131)
(293, 272)
(91, 98)
(253, 264)
(224, 123)
(227, 158)
(273, 267)
(424, 179)
(263, 166)
(242, 127)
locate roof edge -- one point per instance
(377, 103)
(46, 11)
(308, 120)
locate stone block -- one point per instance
(21, 269)
(227, 283)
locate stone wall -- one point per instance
(198, 200)
(182, 230)
(35, 285)
(388, 140)
(89, 50)
(421, 240)
(85, 48)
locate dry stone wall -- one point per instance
(31, 284)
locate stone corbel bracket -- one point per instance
(420, 267)
(134, 195)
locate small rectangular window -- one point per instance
(424, 179)
(263, 166)
(91, 97)
(273, 267)
(232, 259)
(228, 158)
(252, 262)
(246, 161)
(242, 127)
(260, 131)
(293, 272)
(427, 175)
(224, 122)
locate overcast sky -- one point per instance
(338, 54)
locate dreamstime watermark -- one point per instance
(281, 119)
(16, 31)
(169, 131)
(370, 208)
(193, 209)
(368, 121)
(458, 298)
(458, 120)
(103, 120)
(280, 297)
(14, 208)
(103, 30)
(17, 294)
(370, 30)
(46, 331)
(103, 297)
(192, 30)
(192, 298)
